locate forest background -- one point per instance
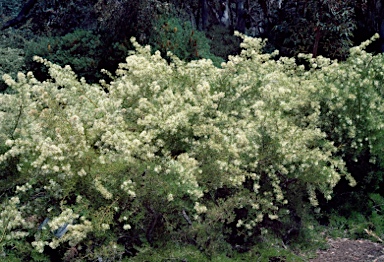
(92, 35)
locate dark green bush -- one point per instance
(222, 41)
(11, 62)
(180, 38)
(81, 49)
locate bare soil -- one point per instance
(345, 250)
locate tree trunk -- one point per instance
(382, 35)
(241, 15)
(21, 17)
(316, 44)
(225, 17)
(204, 14)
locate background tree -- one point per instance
(316, 27)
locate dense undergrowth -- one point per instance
(189, 161)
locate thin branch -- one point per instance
(186, 217)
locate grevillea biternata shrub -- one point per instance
(173, 151)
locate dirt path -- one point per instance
(346, 250)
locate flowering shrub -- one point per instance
(352, 102)
(177, 151)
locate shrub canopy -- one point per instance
(173, 151)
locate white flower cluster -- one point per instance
(200, 208)
(128, 187)
(54, 188)
(12, 223)
(75, 234)
(23, 188)
(65, 230)
(127, 227)
(103, 191)
(187, 169)
(66, 217)
(39, 245)
(170, 197)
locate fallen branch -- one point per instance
(369, 232)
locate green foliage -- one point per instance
(223, 43)
(170, 252)
(9, 8)
(352, 226)
(356, 225)
(352, 117)
(316, 27)
(53, 18)
(376, 220)
(11, 61)
(267, 251)
(80, 49)
(169, 151)
(359, 94)
(180, 38)
(271, 250)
